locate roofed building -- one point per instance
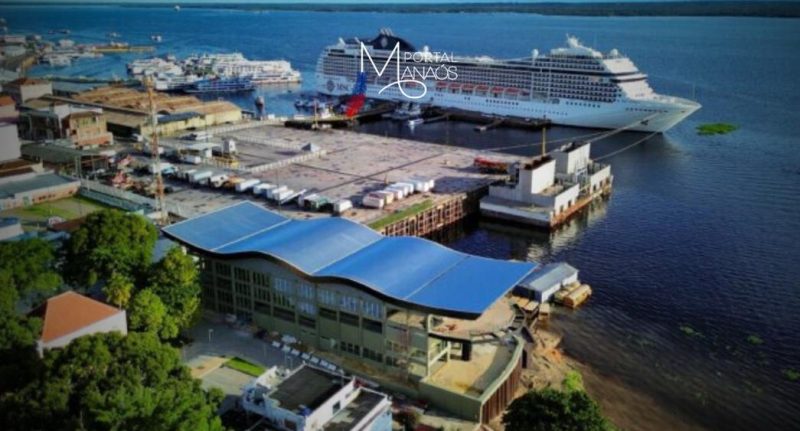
(24, 89)
(310, 399)
(401, 310)
(70, 315)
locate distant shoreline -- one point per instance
(769, 9)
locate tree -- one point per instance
(175, 279)
(109, 242)
(18, 335)
(109, 381)
(551, 410)
(148, 314)
(29, 267)
(118, 290)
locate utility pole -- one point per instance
(544, 141)
(161, 218)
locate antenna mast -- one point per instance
(154, 150)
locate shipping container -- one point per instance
(200, 176)
(374, 200)
(388, 197)
(218, 180)
(273, 191)
(261, 189)
(342, 206)
(246, 185)
(282, 194)
(398, 192)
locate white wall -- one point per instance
(572, 161)
(9, 142)
(113, 323)
(566, 198)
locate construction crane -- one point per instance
(161, 215)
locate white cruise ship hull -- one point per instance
(654, 114)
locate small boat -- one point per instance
(113, 35)
(156, 38)
(415, 122)
(177, 8)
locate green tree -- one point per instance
(118, 290)
(551, 410)
(18, 335)
(112, 382)
(148, 314)
(29, 267)
(109, 242)
(175, 279)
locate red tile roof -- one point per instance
(6, 100)
(68, 312)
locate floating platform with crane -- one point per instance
(549, 189)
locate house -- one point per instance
(24, 89)
(8, 109)
(311, 398)
(83, 126)
(86, 129)
(70, 315)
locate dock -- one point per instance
(340, 165)
(118, 49)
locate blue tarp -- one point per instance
(409, 270)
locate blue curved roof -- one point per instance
(408, 270)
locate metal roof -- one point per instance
(42, 181)
(409, 270)
(548, 276)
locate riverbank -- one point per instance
(626, 407)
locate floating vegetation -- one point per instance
(690, 332)
(716, 129)
(791, 374)
(755, 340)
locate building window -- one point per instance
(372, 326)
(348, 319)
(306, 290)
(284, 314)
(262, 307)
(327, 297)
(350, 348)
(327, 313)
(260, 279)
(372, 309)
(373, 355)
(261, 294)
(307, 307)
(242, 289)
(241, 274)
(349, 303)
(308, 322)
(222, 269)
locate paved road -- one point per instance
(219, 339)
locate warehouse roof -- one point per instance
(43, 181)
(413, 271)
(548, 276)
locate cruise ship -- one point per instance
(573, 85)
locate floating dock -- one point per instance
(548, 190)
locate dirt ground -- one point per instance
(624, 406)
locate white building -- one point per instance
(310, 398)
(548, 189)
(9, 141)
(70, 315)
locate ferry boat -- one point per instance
(573, 85)
(258, 71)
(221, 85)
